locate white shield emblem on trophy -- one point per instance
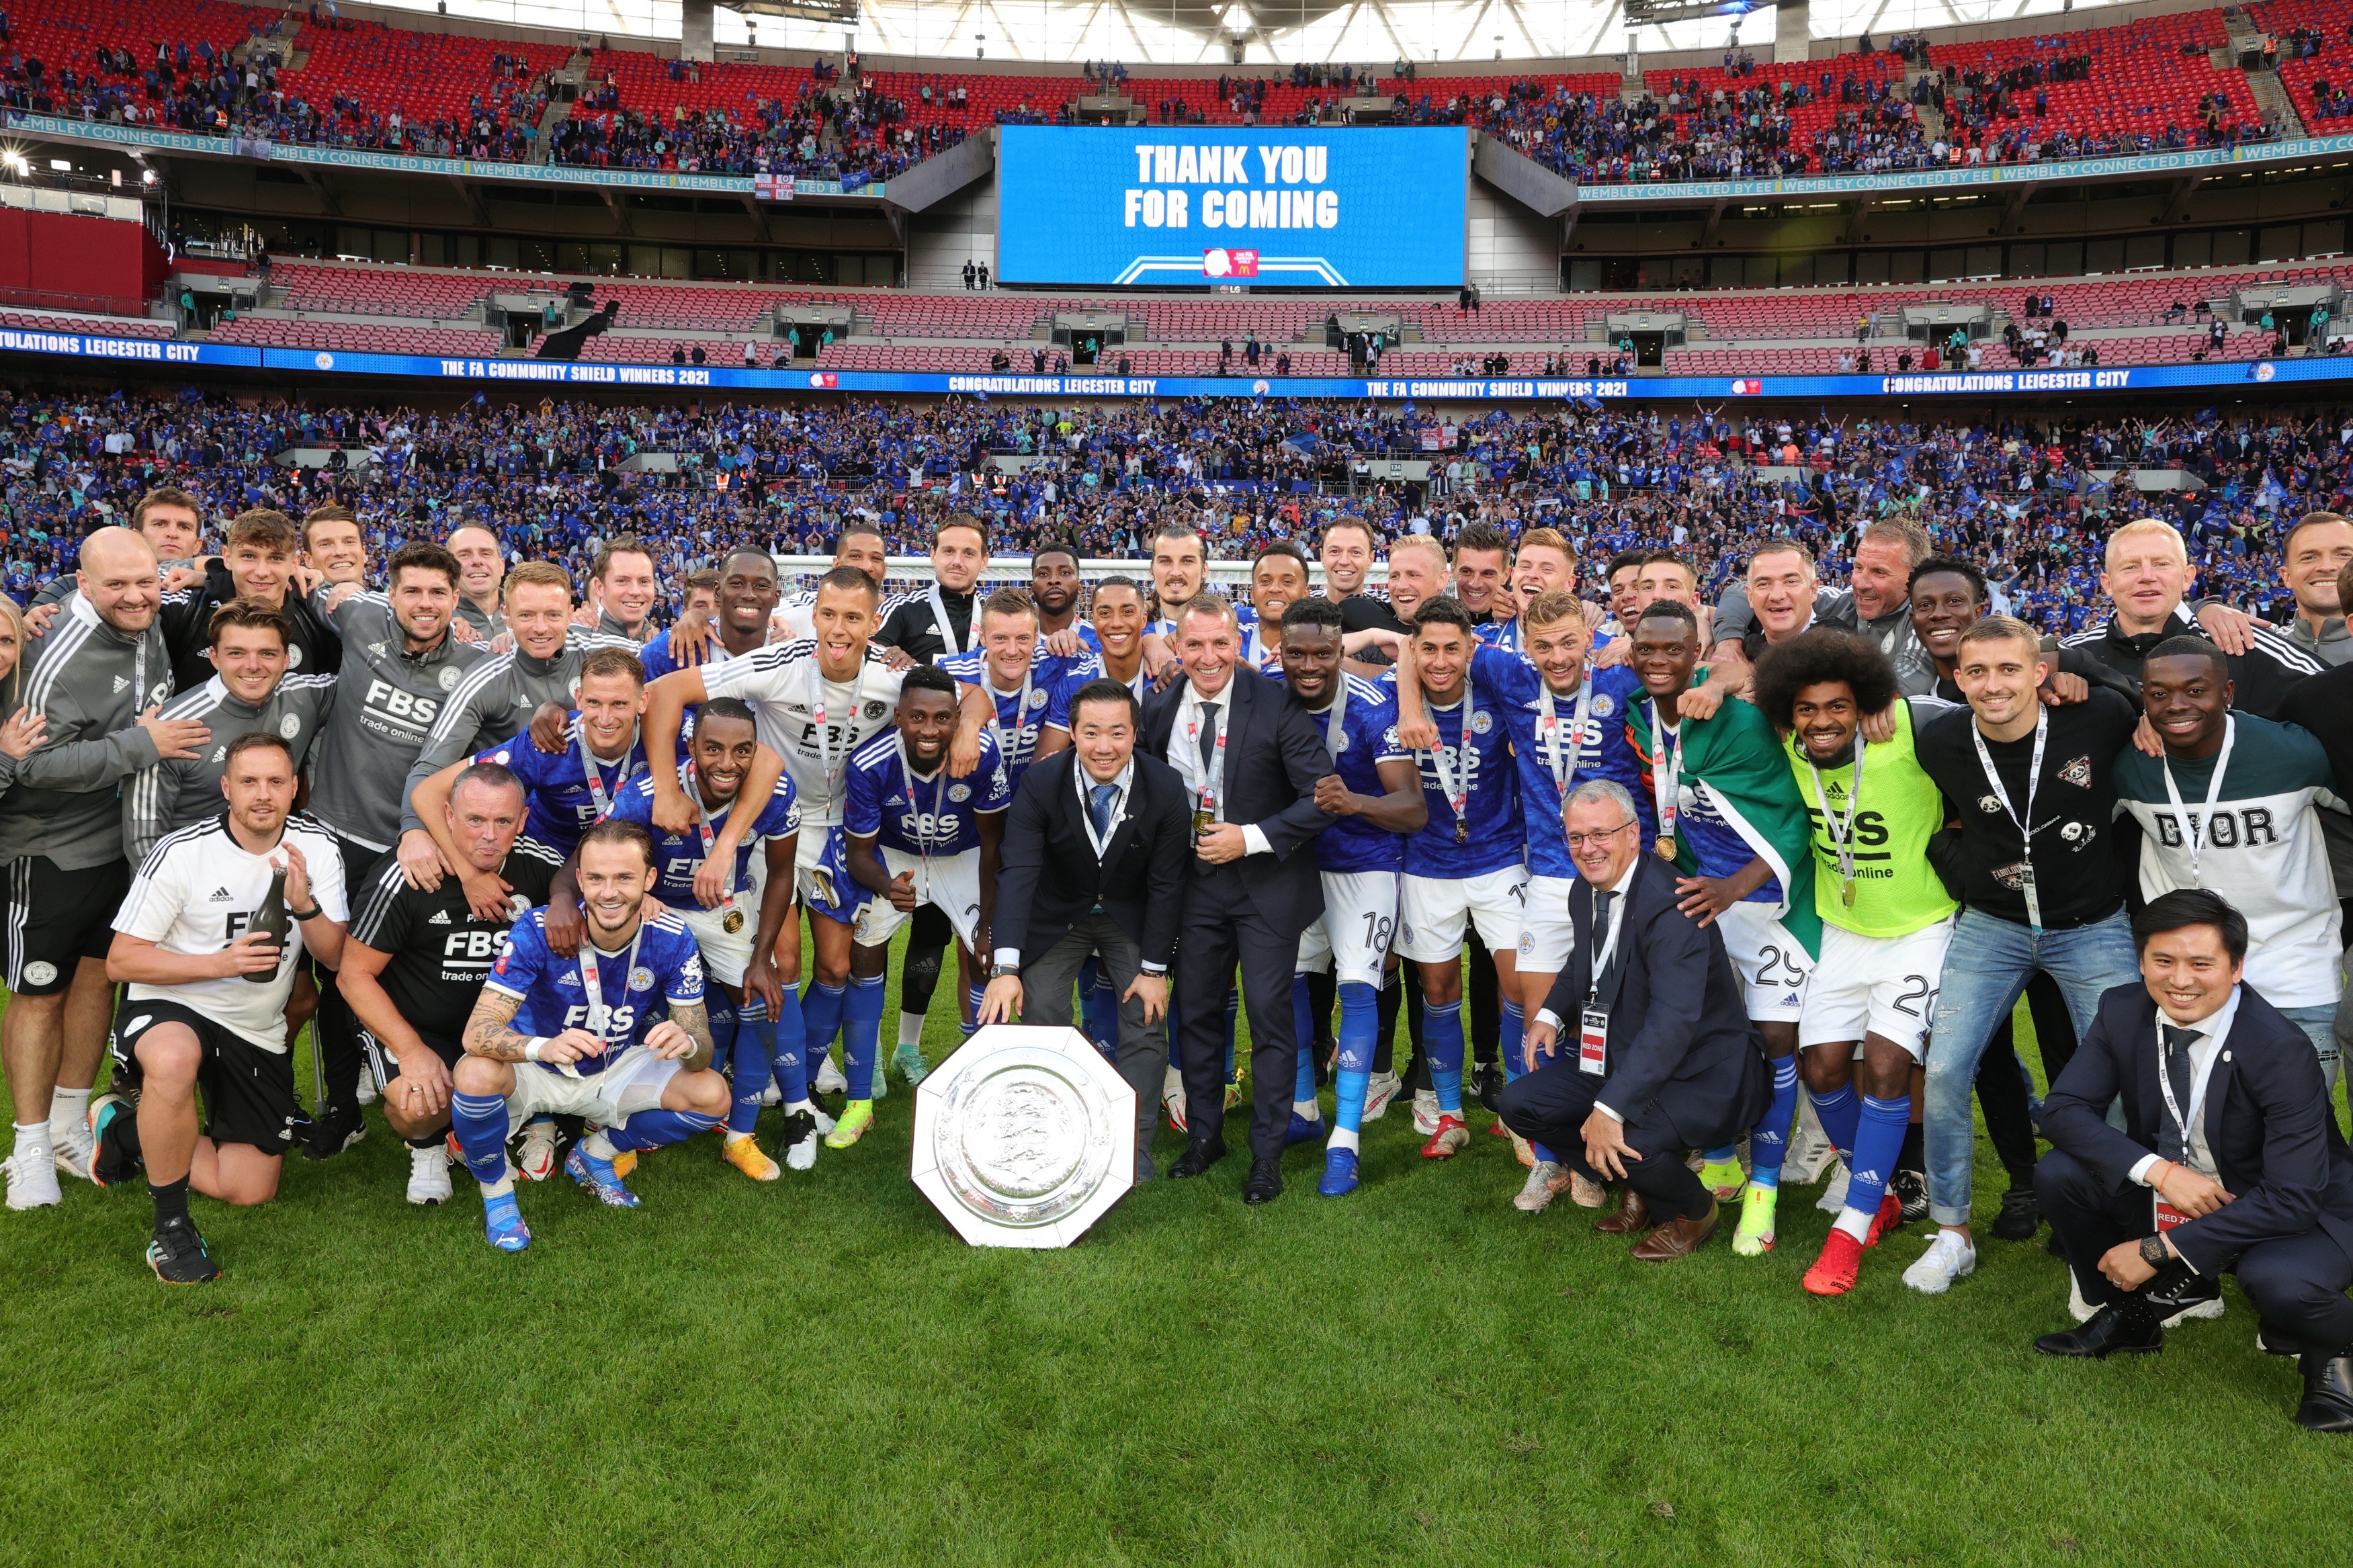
(1024, 1137)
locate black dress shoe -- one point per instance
(1265, 1182)
(2327, 1394)
(1198, 1156)
(2121, 1328)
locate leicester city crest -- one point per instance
(1604, 705)
(1481, 723)
(959, 792)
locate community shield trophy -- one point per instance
(1024, 1137)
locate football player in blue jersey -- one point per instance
(1376, 794)
(917, 835)
(736, 913)
(1054, 588)
(1014, 669)
(565, 791)
(1568, 724)
(1468, 863)
(582, 1037)
(1278, 581)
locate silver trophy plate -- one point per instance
(1024, 1137)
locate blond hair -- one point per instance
(2147, 528)
(1553, 606)
(540, 573)
(1421, 541)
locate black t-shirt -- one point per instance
(2077, 874)
(1362, 612)
(914, 630)
(440, 952)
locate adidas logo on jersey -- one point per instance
(441, 917)
(1793, 1000)
(121, 684)
(568, 980)
(221, 895)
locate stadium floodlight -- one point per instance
(843, 13)
(1238, 22)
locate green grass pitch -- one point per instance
(818, 1371)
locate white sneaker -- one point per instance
(828, 1078)
(1382, 1088)
(802, 1156)
(824, 1122)
(1811, 1152)
(32, 1184)
(1425, 1111)
(1833, 1198)
(1950, 1256)
(70, 1148)
(428, 1175)
(536, 1160)
(1172, 1098)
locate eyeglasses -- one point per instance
(1578, 840)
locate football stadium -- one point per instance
(1224, 781)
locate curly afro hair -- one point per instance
(1816, 657)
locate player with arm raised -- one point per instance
(578, 1035)
(416, 961)
(208, 940)
(816, 703)
(736, 912)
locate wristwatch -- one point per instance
(1004, 971)
(2153, 1251)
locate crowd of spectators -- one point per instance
(552, 479)
(819, 134)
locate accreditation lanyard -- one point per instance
(694, 791)
(594, 770)
(1562, 760)
(1666, 780)
(2193, 830)
(823, 738)
(2025, 824)
(1008, 747)
(2182, 1122)
(1336, 722)
(1609, 948)
(1842, 833)
(1208, 787)
(924, 826)
(1458, 793)
(1084, 782)
(600, 1015)
(946, 628)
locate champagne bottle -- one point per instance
(271, 918)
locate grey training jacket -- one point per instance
(91, 682)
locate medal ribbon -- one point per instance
(1563, 763)
(600, 1015)
(1459, 799)
(1841, 833)
(1666, 774)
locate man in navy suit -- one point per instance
(1249, 758)
(1647, 1046)
(2229, 1159)
(1095, 863)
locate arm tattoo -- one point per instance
(695, 1019)
(487, 1034)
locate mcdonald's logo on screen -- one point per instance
(1222, 263)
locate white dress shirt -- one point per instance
(1603, 940)
(1185, 754)
(1085, 783)
(2214, 1033)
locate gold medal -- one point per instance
(733, 921)
(1461, 831)
(1846, 895)
(1667, 846)
(1202, 822)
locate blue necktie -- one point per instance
(1100, 799)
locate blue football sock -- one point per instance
(861, 1034)
(1512, 1040)
(1441, 1033)
(1769, 1141)
(1099, 1006)
(1302, 1029)
(975, 995)
(787, 1048)
(652, 1128)
(821, 1021)
(752, 1050)
(1840, 1112)
(1360, 1024)
(1878, 1141)
(482, 1124)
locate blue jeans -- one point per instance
(1987, 966)
(2319, 1025)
